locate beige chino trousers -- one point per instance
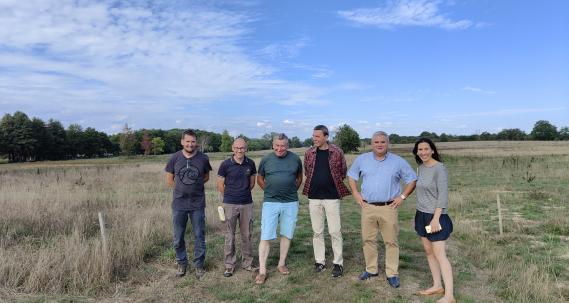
(384, 219)
(329, 210)
(244, 215)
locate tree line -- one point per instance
(24, 139)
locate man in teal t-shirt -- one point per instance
(280, 176)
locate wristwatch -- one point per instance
(403, 197)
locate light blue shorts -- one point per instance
(283, 214)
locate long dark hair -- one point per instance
(433, 147)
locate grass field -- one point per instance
(51, 249)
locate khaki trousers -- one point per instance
(384, 219)
(244, 215)
(328, 209)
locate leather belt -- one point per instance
(379, 203)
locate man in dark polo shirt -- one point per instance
(187, 172)
(325, 169)
(235, 180)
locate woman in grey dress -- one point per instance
(432, 222)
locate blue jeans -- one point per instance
(179, 222)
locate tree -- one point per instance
(308, 142)
(347, 138)
(55, 149)
(564, 133)
(295, 142)
(127, 141)
(157, 145)
(226, 141)
(146, 143)
(511, 134)
(544, 131)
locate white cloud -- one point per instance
(283, 50)
(384, 124)
(287, 121)
(264, 124)
(94, 59)
(424, 13)
(478, 90)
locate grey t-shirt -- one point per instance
(189, 193)
(280, 177)
(432, 188)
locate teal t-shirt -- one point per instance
(280, 177)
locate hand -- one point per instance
(396, 202)
(359, 199)
(435, 225)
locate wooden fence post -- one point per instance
(103, 232)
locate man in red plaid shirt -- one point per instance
(325, 171)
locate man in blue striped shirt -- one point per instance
(380, 197)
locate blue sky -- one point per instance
(252, 67)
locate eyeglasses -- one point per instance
(239, 148)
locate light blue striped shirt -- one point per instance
(381, 177)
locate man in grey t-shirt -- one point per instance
(187, 172)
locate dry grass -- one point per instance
(50, 243)
(50, 240)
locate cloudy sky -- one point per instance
(252, 67)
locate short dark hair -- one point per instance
(323, 128)
(433, 147)
(189, 132)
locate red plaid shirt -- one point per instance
(338, 169)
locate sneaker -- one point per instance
(319, 267)
(393, 281)
(228, 272)
(366, 275)
(337, 271)
(200, 272)
(181, 270)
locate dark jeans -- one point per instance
(179, 222)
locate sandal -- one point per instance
(283, 270)
(426, 292)
(260, 279)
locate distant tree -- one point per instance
(486, 136)
(543, 131)
(433, 136)
(393, 138)
(157, 145)
(42, 140)
(75, 146)
(127, 141)
(444, 137)
(146, 143)
(308, 142)
(295, 142)
(511, 134)
(564, 133)
(226, 141)
(56, 147)
(347, 138)
(203, 142)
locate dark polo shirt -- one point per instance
(237, 180)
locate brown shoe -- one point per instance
(427, 292)
(260, 279)
(283, 270)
